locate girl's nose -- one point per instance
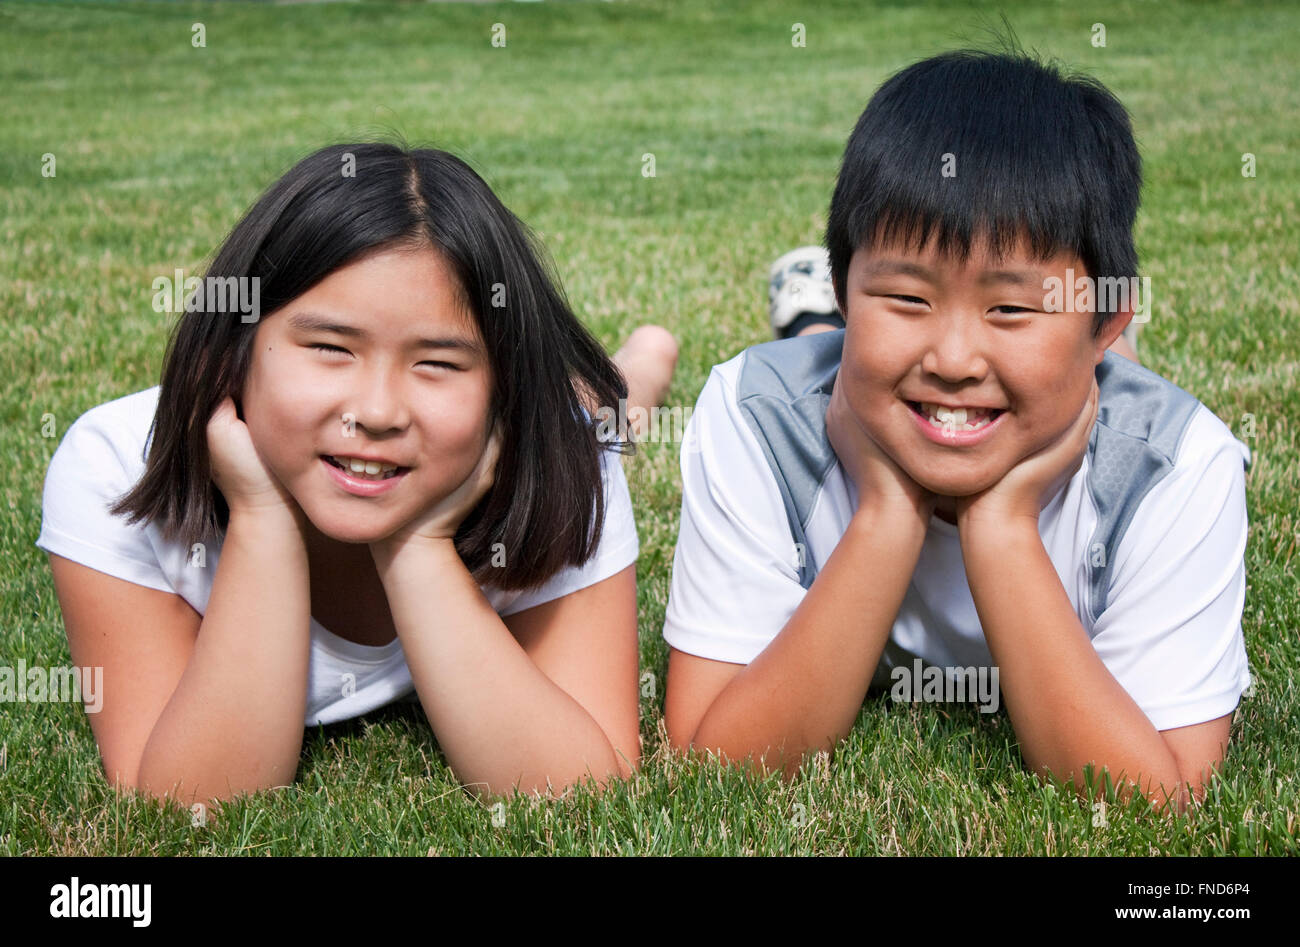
(379, 404)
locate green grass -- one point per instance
(160, 146)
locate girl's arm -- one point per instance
(199, 709)
(235, 721)
(213, 708)
(554, 707)
(549, 698)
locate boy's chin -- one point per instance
(952, 487)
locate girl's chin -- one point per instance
(352, 531)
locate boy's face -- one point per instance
(922, 329)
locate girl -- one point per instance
(386, 485)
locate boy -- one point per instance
(961, 475)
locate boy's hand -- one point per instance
(872, 471)
(1027, 487)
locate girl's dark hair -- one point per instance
(1037, 155)
(546, 506)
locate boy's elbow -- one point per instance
(1185, 793)
(760, 763)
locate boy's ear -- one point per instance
(1112, 330)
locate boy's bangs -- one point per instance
(971, 148)
(964, 173)
(954, 224)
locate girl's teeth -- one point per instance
(367, 469)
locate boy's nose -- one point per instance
(954, 353)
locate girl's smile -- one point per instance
(362, 483)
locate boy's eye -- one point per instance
(914, 300)
(1011, 310)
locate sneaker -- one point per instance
(800, 292)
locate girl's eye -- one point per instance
(326, 347)
(1014, 309)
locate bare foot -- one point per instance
(814, 327)
(1121, 347)
(647, 360)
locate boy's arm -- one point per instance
(805, 690)
(1068, 710)
(1166, 649)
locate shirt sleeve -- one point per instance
(1171, 630)
(735, 583)
(618, 547)
(89, 471)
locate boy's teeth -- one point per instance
(964, 419)
(958, 415)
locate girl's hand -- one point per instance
(872, 471)
(238, 470)
(1028, 486)
(442, 519)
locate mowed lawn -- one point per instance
(160, 146)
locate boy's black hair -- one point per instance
(1038, 155)
(546, 505)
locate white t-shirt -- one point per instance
(102, 456)
(1171, 629)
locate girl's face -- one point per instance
(379, 361)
